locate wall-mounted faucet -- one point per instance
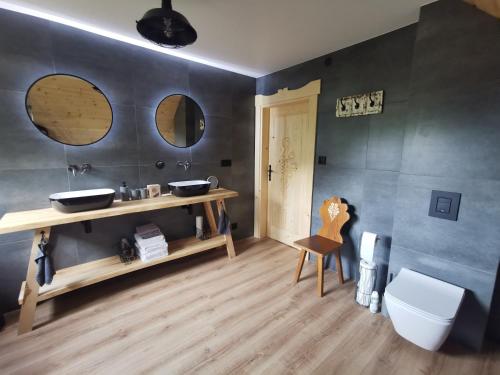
(73, 169)
(85, 168)
(186, 164)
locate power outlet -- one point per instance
(234, 226)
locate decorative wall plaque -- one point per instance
(360, 105)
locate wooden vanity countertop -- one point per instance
(47, 217)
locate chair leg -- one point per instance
(338, 265)
(300, 264)
(321, 272)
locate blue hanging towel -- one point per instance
(224, 225)
(45, 272)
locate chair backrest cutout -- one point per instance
(334, 215)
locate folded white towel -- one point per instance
(151, 256)
(150, 249)
(146, 250)
(152, 234)
(149, 241)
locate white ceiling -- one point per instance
(253, 37)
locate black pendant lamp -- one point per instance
(166, 27)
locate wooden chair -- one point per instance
(328, 240)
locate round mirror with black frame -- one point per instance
(69, 109)
(180, 120)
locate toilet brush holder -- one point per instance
(366, 283)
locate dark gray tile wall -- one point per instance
(439, 131)
(453, 122)
(135, 80)
(363, 153)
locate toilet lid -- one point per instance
(431, 296)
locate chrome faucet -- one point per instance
(186, 164)
(85, 168)
(73, 169)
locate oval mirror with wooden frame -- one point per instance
(180, 120)
(69, 109)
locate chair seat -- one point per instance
(319, 245)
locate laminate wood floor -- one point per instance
(209, 315)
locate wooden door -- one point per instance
(291, 158)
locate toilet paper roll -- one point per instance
(367, 246)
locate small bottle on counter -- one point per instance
(124, 192)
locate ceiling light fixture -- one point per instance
(166, 27)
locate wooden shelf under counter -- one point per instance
(79, 276)
(76, 277)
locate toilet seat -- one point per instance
(424, 295)
(414, 310)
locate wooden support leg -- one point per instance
(338, 265)
(28, 308)
(229, 238)
(321, 272)
(210, 217)
(300, 264)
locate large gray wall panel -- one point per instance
(453, 122)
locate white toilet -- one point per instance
(422, 309)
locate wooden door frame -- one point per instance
(263, 105)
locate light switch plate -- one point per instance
(444, 205)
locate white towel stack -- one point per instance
(150, 242)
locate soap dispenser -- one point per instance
(124, 192)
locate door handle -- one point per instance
(269, 172)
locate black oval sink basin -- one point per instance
(83, 200)
(189, 188)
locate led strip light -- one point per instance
(123, 38)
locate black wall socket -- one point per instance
(322, 160)
(226, 163)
